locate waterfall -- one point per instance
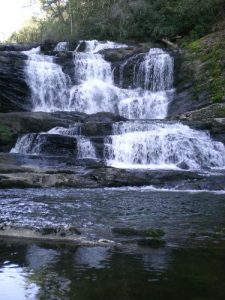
(85, 148)
(95, 46)
(35, 144)
(62, 46)
(29, 144)
(49, 85)
(95, 90)
(145, 95)
(162, 145)
(155, 73)
(157, 145)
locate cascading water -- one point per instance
(36, 144)
(62, 46)
(85, 148)
(134, 144)
(162, 145)
(49, 85)
(157, 144)
(155, 73)
(95, 90)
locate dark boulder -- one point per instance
(48, 45)
(104, 117)
(81, 47)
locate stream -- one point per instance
(188, 266)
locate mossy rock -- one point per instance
(216, 110)
(63, 232)
(150, 232)
(153, 243)
(6, 136)
(210, 52)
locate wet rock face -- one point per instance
(13, 125)
(14, 90)
(123, 62)
(186, 97)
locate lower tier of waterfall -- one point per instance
(162, 145)
(133, 144)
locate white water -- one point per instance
(163, 146)
(49, 85)
(85, 148)
(28, 144)
(62, 46)
(95, 90)
(34, 143)
(155, 73)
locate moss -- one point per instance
(6, 136)
(210, 52)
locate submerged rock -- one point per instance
(152, 243)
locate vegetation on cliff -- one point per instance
(119, 19)
(210, 51)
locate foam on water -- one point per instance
(162, 146)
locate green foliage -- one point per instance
(5, 135)
(120, 19)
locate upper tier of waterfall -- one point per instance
(95, 90)
(48, 84)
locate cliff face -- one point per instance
(200, 75)
(13, 88)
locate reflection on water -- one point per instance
(41, 271)
(15, 283)
(189, 267)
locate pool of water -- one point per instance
(189, 266)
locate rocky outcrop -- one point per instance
(213, 118)
(199, 74)
(13, 125)
(16, 173)
(186, 97)
(123, 61)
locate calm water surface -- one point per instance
(190, 266)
